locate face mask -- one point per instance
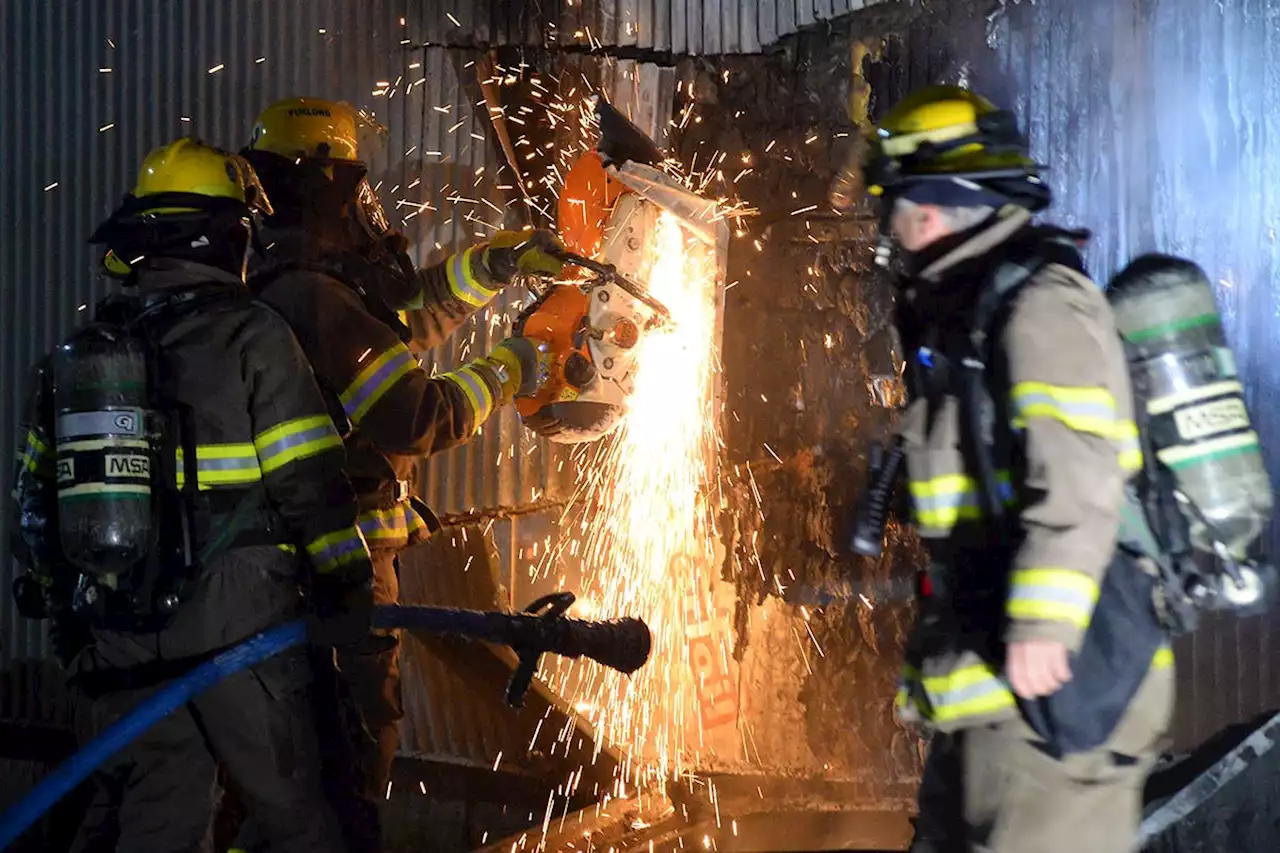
(369, 214)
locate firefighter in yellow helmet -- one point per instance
(180, 478)
(1036, 662)
(340, 275)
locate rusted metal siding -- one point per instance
(681, 27)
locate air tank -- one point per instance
(104, 449)
(1185, 377)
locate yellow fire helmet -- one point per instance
(313, 128)
(947, 133)
(185, 191)
(188, 168)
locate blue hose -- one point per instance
(55, 786)
(623, 645)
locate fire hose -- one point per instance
(623, 644)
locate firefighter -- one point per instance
(1036, 660)
(341, 277)
(229, 486)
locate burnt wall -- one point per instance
(808, 367)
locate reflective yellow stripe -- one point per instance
(337, 549)
(476, 391)
(463, 283)
(1083, 409)
(970, 692)
(1163, 658)
(36, 455)
(375, 380)
(292, 441)
(1128, 446)
(380, 526)
(222, 465)
(1052, 595)
(943, 501)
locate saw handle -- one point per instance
(609, 271)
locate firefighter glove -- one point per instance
(530, 251)
(522, 365)
(341, 612)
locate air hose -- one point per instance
(623, 644)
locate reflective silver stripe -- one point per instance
(1087, 409)
(1056, 594)
(966, 694)
(226, 464)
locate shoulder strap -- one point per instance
(1043, 246)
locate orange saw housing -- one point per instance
(559, 317)
(586, 201)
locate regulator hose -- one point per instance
(622, 644)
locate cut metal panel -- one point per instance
(804, 12)
(610, 21)
(730, 27)
(749, 25)
(822, 9)
(680, 25)
(786, 17)
(711, 24)
(629, 24)
(693, 24)
(660, 16)
(767, 20)
(646, 22)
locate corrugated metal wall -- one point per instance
(1160, 124)
(665, 26)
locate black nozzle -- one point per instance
(873, 509)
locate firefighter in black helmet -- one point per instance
(341, 277)
(228, 464)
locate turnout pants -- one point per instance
(370, 673)
(356, 693)
(993, 790)
(158, 795)
(359, 734)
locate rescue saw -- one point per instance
(595, 319)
